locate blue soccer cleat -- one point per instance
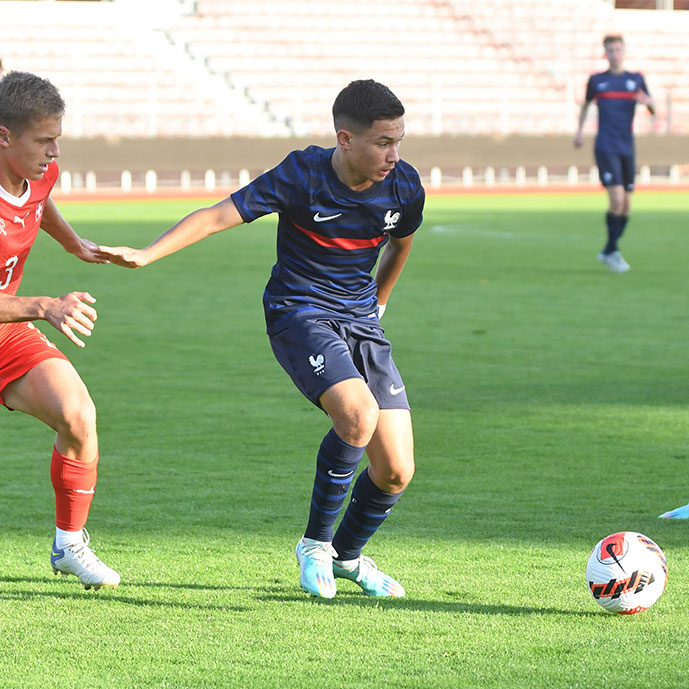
(679, 513)
(367, 575)
(315, 560)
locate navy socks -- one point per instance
(337, 461)
(366, 511)
(615, 225)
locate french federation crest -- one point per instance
(391, 219)
(318, 363)
(631, 85)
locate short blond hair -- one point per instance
(25, 99)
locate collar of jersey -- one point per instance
(352, 193)
(18, 201)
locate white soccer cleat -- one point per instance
(615, 261)
(81, 561)
(315, 560)
(372, 581)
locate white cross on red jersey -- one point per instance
(20, 220)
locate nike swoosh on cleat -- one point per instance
(322, 218)
(394, 390)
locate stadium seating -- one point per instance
(120, 80)
(214, 68)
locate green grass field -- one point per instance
(550, 409)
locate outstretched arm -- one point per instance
(71, 314)
(193, 228)
(60, 230)
(390, 266)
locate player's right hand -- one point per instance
(123, 256)
(71, 313)
(578, 140)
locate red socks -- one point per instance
(74, 483)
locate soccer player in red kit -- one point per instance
(35, 377)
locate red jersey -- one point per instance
(20, 220)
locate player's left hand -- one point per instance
(88, 251)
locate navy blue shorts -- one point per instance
(319, 353)
(616, 169)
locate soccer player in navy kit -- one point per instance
(338, 208)
(616, 92)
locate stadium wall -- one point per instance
(256, 155)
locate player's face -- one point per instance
(614, 52)
(374, 152)
(27, 156)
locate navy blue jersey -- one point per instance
(329, 236)
(615, 95)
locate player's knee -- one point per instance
(615, 207)
(79, 421)
(404, 476)
(364, 421)
(395, 479)
(358, 423)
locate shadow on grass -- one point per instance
(353, 599)
(132, 583)
(270, 594)
(112, 595)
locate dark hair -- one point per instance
(363, 102)
(26, 99)
(612, 38)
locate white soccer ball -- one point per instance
(626, 572)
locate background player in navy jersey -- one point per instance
(616, 92)
(337, 209)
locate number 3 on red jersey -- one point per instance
(9, 269)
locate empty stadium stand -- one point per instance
(178, 68)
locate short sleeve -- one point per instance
(271, 192)
(412, 215)
(590, 90)
(642, 84)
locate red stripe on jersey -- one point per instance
(622, 95)
(340, 242)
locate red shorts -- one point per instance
(22, 346)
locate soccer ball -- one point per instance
(626, 572)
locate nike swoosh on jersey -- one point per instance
(322, 218)
(394, 390)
